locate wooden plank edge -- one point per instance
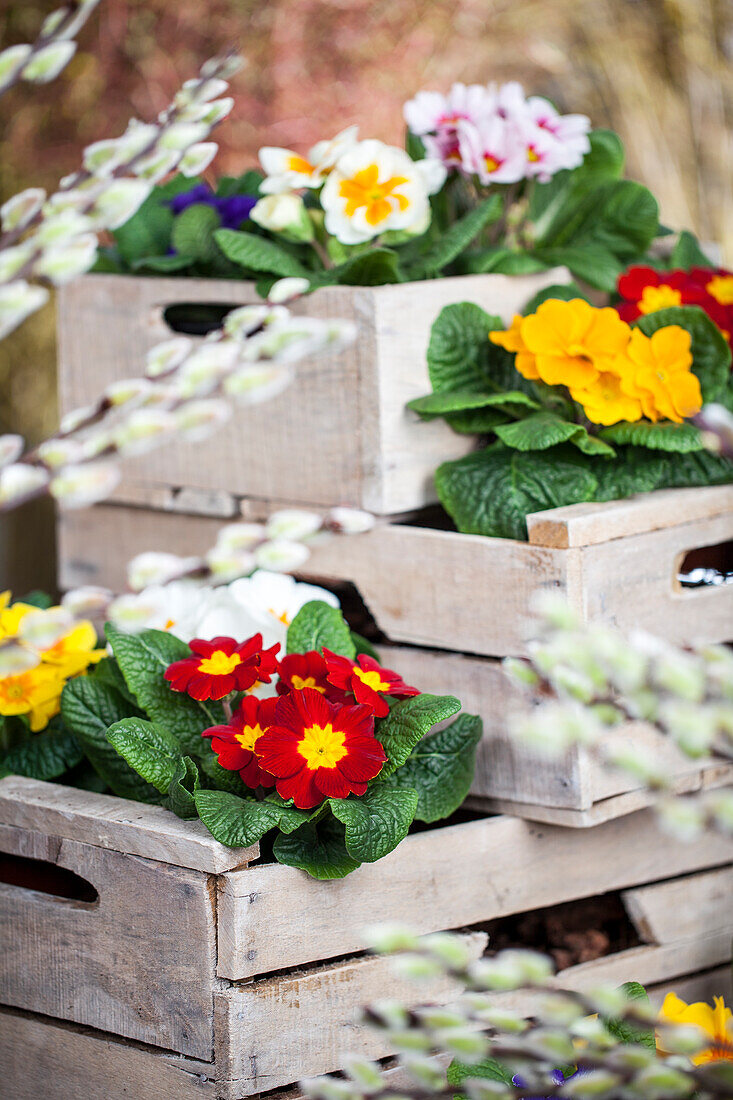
(119, 824)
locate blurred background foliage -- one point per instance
(657, 71)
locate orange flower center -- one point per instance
(532, 154)
(322, 746)
(658, 297)
(364, 189)
(281, 618)
(491, 162)
(249, 736)
(299, 683)
(720, 287)
(372, 679)
(219, 663)
(299, 164)
(13, 688)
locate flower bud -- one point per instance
(350, 521)
(133, 613)
(19, 481)
(502, 1019)
(203, 370)
(144, 430)
(252, 385)
(390, 937)
(75, 419)
(119, 200)
(555, 611)
(11, 448)
(102, 157)
(73, 26)
(468, 1046)
(55, 453)
(599, 1082)
(661, 1081)
(12, 260)
(240, 536)
(284, 290)
(82, 486)
(17, 301)
(153, 567)
(363, 1073)
(339, 334)
(328, 1088)
(22, 208)
(284, 214)
(200, 91)
(137, 138)
(42, 629)
(424, 1071)
(499, 973)
(281, 555)
(208, 114)
(16, 659)
(484, 1088)
(165, 357)
(241, 322)
(196, 420)
(128, 391)
(291, 523)
(637, 761)
(223, 68)
(178, 137)
(88, 601)
(719, 805)
(198, 158)
(417, 968)
(156, 165)
(61, 228)
(593, 1030)
(46, 64)
(682, 818)
(66, 261)
(228, 565)
(449, 949)
(12, 61)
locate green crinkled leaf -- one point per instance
(318, 847)
(455, 240)
(488, 1070)
(108, 672)
(461, 356)
(221, 778)
(687, 253)
(44, 755)
(193, 232)
(89, 706)
(239, 822)
(711, 355)
(604, 162)
(491, 492)
(37, 598)
(619, 215)
(152, 751)
(258, 253)
(448, 401)
(143, 659)
(543, 430)
(477, 421)
(377, 821)
(162, 265)
(408, 722)
(640, 470)
(629, 1033)
(378, 267)
(316, 625)
(664, 436)
(440, 768)
(363, 645)
(183, 786)
(246, 184)
(148, 231)
(590, 261)
(564, 292)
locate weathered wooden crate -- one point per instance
(616, 562)
(350, 439)
(172, 967)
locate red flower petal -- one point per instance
(631, 284)
(302, 789)
(340, 669)
(332, 783)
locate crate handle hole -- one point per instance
(706, 566)
(46, 878)
(196, 318)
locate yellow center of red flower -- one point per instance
(364, 189)
(249, 736)
(658, 297)
(322, 746)
(219, 663)
(371, 678)
(720, 287)
(299, 683)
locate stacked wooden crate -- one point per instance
(142, 959)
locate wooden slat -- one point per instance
(115, 823)
(684, 908)
(41, 1058)
(138, 962)
(448, 877)
(591, 523)
(275, 1032)
(697, 987)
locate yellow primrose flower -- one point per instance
(657, 370)
(75, 651)
(604, 401)
(720, 287)
(658, 297)
(571, 342)
(511, 340)
(11, 615)
(716, 1021)
(36, 693)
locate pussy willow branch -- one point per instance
(77, 13)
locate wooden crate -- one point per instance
(205, 972)
(617, 562)
(339, 435)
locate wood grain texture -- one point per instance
(45, 1059)
(588, 524)
(339, 434)
(132, 828)
(447, 877)
(138, 962)
(684, 908)
(275, 1032)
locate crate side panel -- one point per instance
(138, 962)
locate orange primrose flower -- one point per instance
(319, 749)
(605, 402)
(657, 370)
(511, 340)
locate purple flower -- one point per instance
(556, 1077)
(232, 209)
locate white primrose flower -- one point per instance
(17, 301)
(289, 171)
(284, 214)
(375, 188)
(18, 481)
(274, 599)
(19, 210)
(82, 486)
